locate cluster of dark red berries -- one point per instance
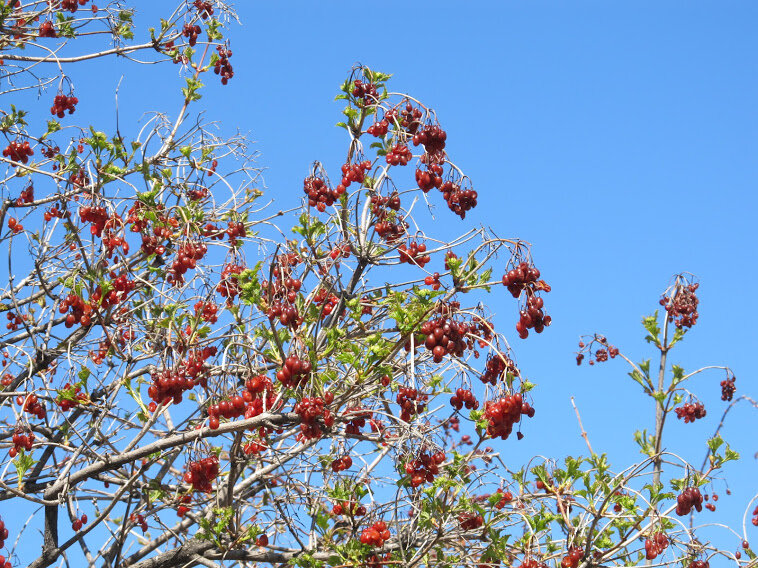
(229, 286)
(690, 411)
(295, 372)
(655, 545)
(72, 5)
(235, 230)
(183, 509)
(229, 408)
(21, 441)
(446, 336)
(503, 413)
(414, 253)
(459, 200)
(204, 9)
(525, 278)
(376, 534)
(429, 178)
(31, 405)
(77, 524)
(18, 151)
(170, 384)
(81, 311)
(14, 225)
(3, 538)
(365, 92)
(349, 508)
(688, 499)
(390, 226)
(95, 215)
(310, 410)
(14, 320)
(755, 517)
(399, 155)
(63, 103)
(261, 397)
(728, 388)
(682, 306)
(464, 397)
(47, 29)
(433, 138)
(201, 473)
(222, 66)
(423, 468)
(574, 556)
(191, 32)
(470, 521)
(505, 498)
(320, 195)
(411, 403)
(187, 258)
(54, 213)
(700, 564)
(498, 366)
(342, 463)
(379, 128)
(139, 519)
(73, 397)
(207, 311)
(409, 118)
(353, 173)
(26, 196)
(358, 416)
(433, 281)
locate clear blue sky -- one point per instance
(620, 138)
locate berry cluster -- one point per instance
(54, 212)
(433, 138)
(357, 418)
(342, 463)
(18, 151)
(3, 538)
(320, 195)
(47, 29)
(229, 286)
(72, 5)
(191, 32)
(690, 411)
(310, 409)
(201, 473)
(26, 196)
(525, 278)
(498, 366)
(459, 200)
(187, 258)
(574, 556)
(14, 225)
(366, 92)
(139, 519)
(464, 397)
(423, 468)
(77, 524)
(207, 311)
(222, 66)
(433, 281)
(505, 498)
(389, 225)
(31, 405)
(349, 508)
(655, 545)
(682, 305)
(470, 521)
(755, 517)
(95, 215)
(183, 509)
(446, 336)
(14, 320)
(169, 384)
(235, 230)
(414, 253)
(429, 178)
(727, 388)
(399, 155)
(229, 408)
(688, 499)
(376, 534)
(70, 397)
(204, 9)
(409, 118)
(411, 403)
(63, 103)
(700, 564)
(21, 441)
(352, 173)
(379, 128)
(295, 372)
(503, 413)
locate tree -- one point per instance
(178, 399)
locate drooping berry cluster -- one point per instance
(411, 403)
(3, 537)
(574, 556)
(505, 497)
(63, 103)
(204, 9)
(295, 372)
(22, 440)
(47, 29)
(18, 151)
(497, 367)
(389, 225)
(191, 32)
(429, 178)
(365, 93)
(201, 473)
(320, 195)
(414, 253)
(77, 524)
(170, 384)
(524, 278)
(690, 411)
(187, 258)
(503, 413)
(464, 397)
(376, 534)
(348, 508)
(655, 545)
(230, 408)
(283, 290)
(399, 155)
(446, 336)
(342, 463)
(728, 388)
(755, 517)
(470, 521)
(31, 405)
(222, 66)
(682, 305)
(423, 468)
(688, 499)
(352, 173)
(139, 519)
(379, 128)
(72, 5)
(409, 118)
(433, 138)
(459, 200)
(229, 286)
(433, 281)
(700, 564)
(207, 311)
(310, 410)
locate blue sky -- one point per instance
(619, 138)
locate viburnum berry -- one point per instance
(47, 29)
(414, 253)
(310, 410)
(728, 388)
(399, 155)
(191, 32)
(201, 473)
(687, 499)
(574, 556)
(139, 519)
(365, 93)
(295, 372)
(498, 366)
(3, 533)
(63, 103)
(424, 468)
(655, 545)
(229, 286)
(18, 151)
(411, 403)
(681, 304)
(204, 9)
(470, 521)
(379, 128)
(221, 66)
(701, 564)
(464, 397)
(433, 138)
(342, 463)
(505, 497)
(503, 413)
(690, 411)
